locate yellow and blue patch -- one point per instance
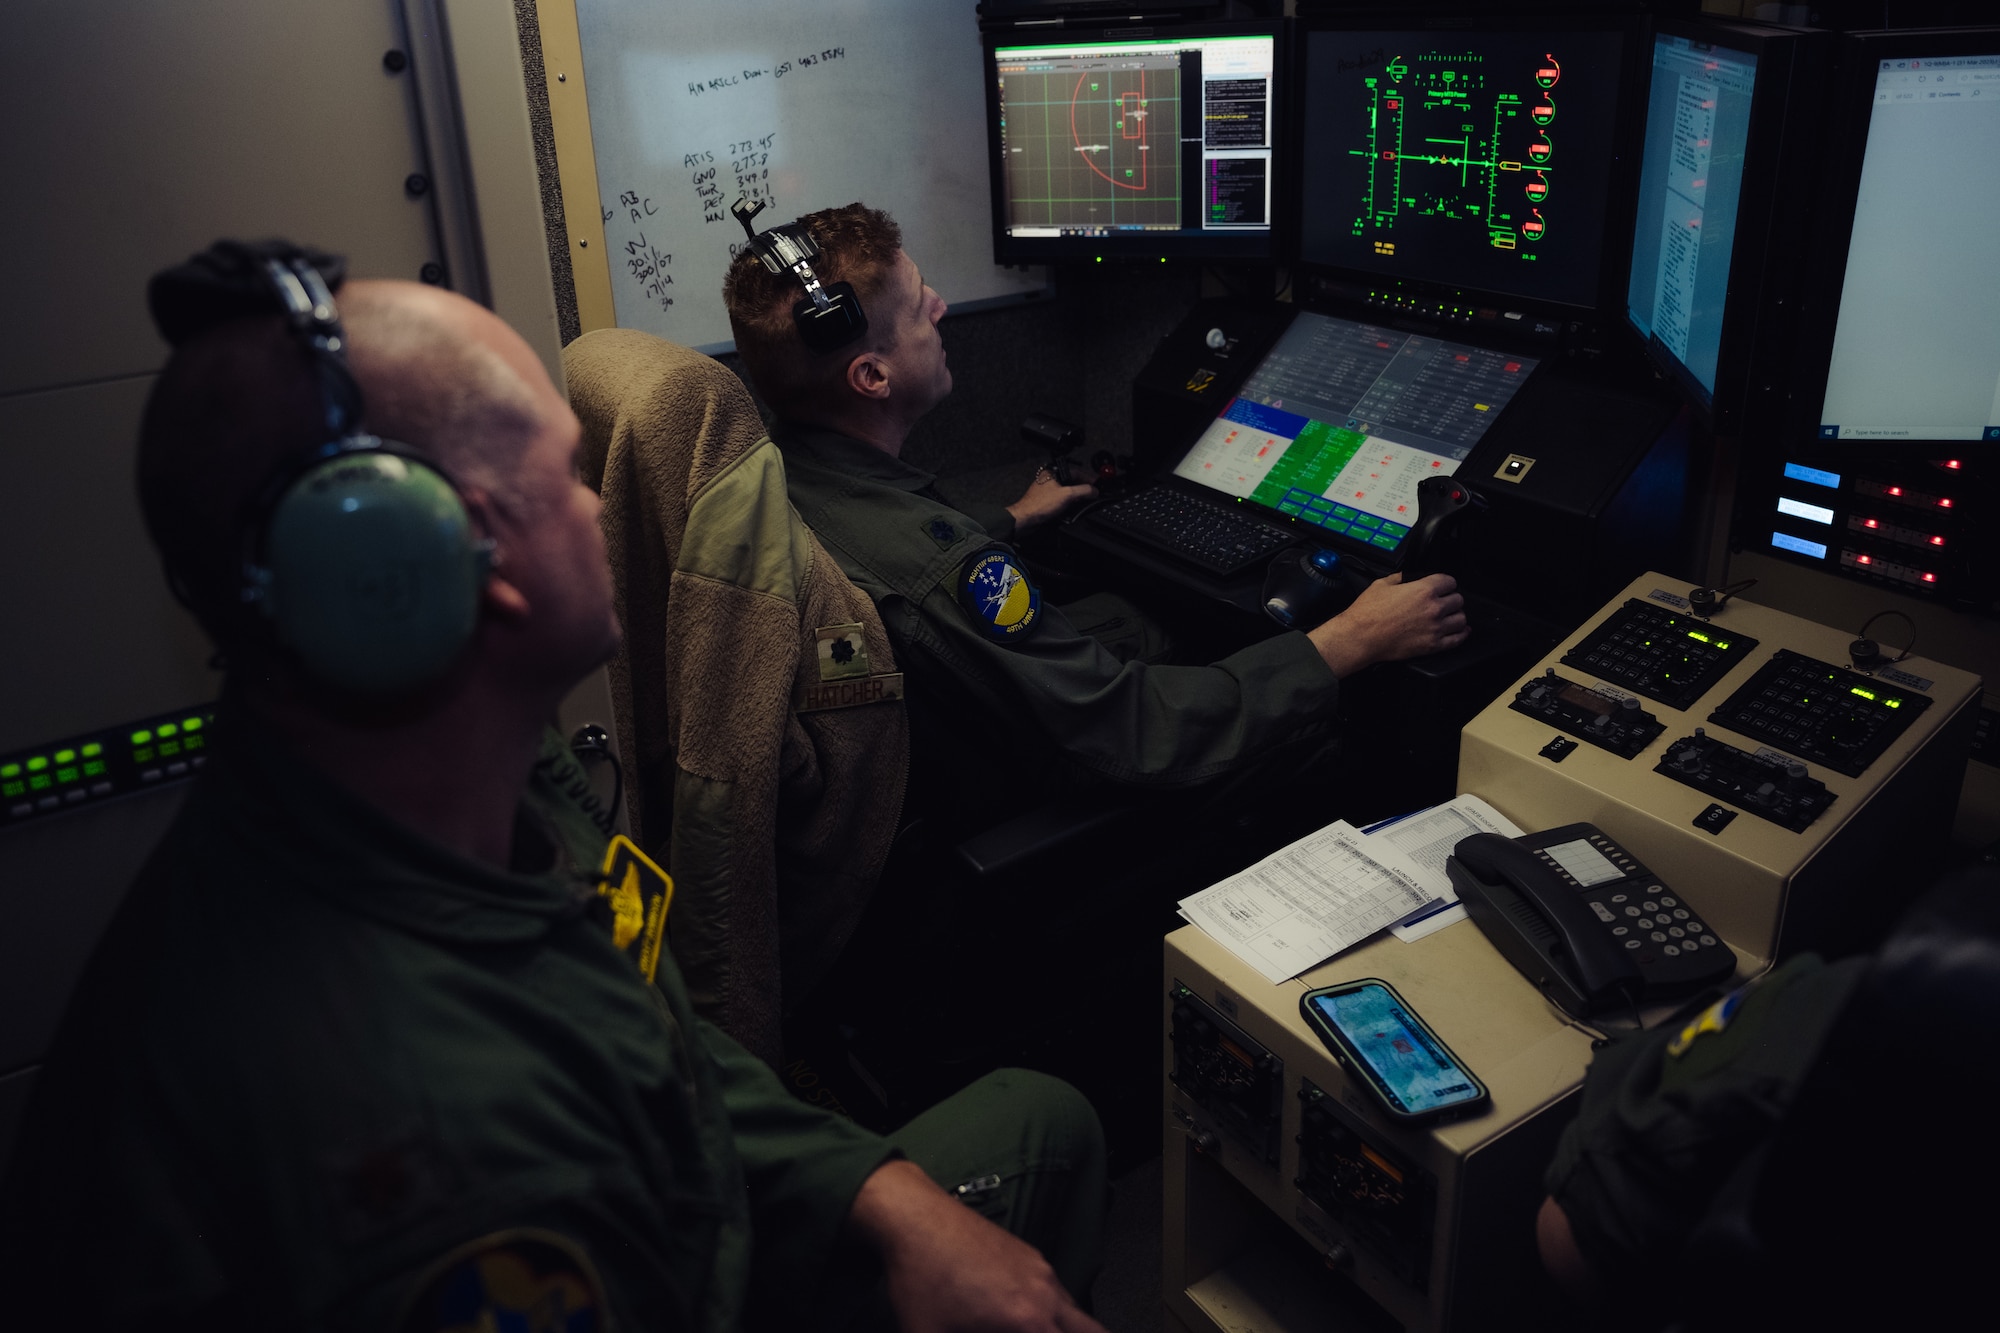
(995, 592)
(525, 1281)
(1715, 1018)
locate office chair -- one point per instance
(775, 823)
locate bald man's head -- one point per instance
(239, 406)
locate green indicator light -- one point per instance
(167, 729)
(1893, 703)
(93, 768)
(39, 781)
(66, 775)
(169, 748)
(142, 738)
(12, 788)
(10, 770)
(1697, 636)
(92, 750)
(38, 763)
(142, 756)
(1722, 644)
(192, 724)
(65, 756)
(1863, 693)
(193, 743)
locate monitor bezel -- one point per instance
(1851, 105)
(1253, 247)
(1775, 167)
(1620, 187)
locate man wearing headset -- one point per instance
(368, 1046)
(990, 662)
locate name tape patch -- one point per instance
(849, 693)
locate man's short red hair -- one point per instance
(857, 245)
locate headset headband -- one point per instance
(828, 319)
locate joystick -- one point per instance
(1440, 501)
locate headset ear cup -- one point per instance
(374, 572)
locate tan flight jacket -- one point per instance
(774, 823)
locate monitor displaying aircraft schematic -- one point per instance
(1341, 420)
(1477, 160)
(1109, 146)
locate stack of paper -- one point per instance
(1329, 891)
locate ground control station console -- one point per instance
(1737, 755)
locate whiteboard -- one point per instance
(806, 104)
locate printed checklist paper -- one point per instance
(1305, 903)
(1333, 889)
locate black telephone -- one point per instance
(1583, 920)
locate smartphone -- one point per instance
(1382, 1044)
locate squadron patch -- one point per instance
(1715, 1018)
(639, 893)
(527, 1279)
(997, 595)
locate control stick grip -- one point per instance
(1440, 502)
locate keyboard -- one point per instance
(1818, 711)
(1648, 649)
(1213, 535)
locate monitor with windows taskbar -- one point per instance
(1138, 143)
(1901, 335)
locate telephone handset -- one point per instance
(1583, 920)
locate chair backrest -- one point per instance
(774, 822)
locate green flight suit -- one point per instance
(1129, 722)
(1667, 1116)
(316, 1053)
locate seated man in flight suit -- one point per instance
(999, 679)
(360, 1050)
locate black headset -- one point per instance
(360, 554)
(828, 318)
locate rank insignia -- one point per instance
(843, 652)
(639, 893)
(525, 1279)
(942, 531)
(997, 595)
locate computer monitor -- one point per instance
(1480, 160)
(1340, 420)
(1731, 112)
(1911, 295)
(1105, 145)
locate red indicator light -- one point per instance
(1513, 367)
(1870, 523)
(1944, 504)
(1895, 490)
(1937, 541)
(1864, 559)
(1930, 578)
(1951, 463)
(1463, 357)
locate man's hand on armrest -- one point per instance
(1392, 620)
(1046, 499)
(949, 1268)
